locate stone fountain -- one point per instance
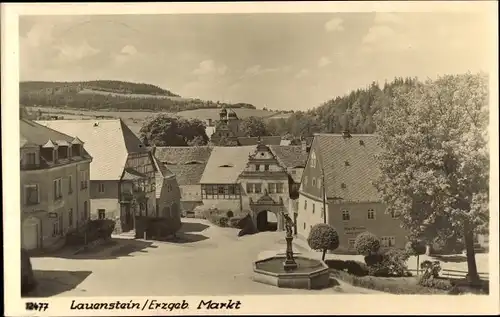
(291, 270)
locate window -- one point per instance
(266, 167)
(258, 188)
(101, 213)
(313, 160)
(220, 190)
(101, 187)
(305, 180)
(388, 241)
(351, 243)
(70, 184)
(249, 188)
(319, 184)
(31, 194)
(279, 188)
(55, 228)
(272, 188)
(371, 214)
(70, 217)
(345, 215)
(57, 189)
(30, 158)
(314, 181)
(83, 180)
(314, 207)
(304, 226)
(227, 191)
(257, 167)
(305, 204)
(85, 210)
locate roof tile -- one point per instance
(360, 172)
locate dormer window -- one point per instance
(313, 160)
(76, 150)
(76, 147)
(48, 151)
(63, 150)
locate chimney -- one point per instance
(346, 134)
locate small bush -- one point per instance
(323, 237)
(431, 269)
(229, 214)
(352, 267)
(235, 222)
(373, 259)
(356, 268)
(437, 283)
(221, 221)
(395, 261)
(367, 243)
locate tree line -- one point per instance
(113, 97)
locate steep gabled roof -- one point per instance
(182, 154)
(350, 166)
(108, 141)
(226, 164)
(187, 174)
(37, 134)
(289, 156)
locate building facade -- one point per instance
(54, 185)
(187, 163)
(123, 173)
(265, 188)
(339, 173)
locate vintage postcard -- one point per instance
(250, 158)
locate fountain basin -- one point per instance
(310, 273)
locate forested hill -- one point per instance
(110, 86)
(110, 94)
(354, 112)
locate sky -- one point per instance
(293, 61)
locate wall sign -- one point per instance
(354, 230)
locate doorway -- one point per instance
(267, 221)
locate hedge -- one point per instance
(393, 285)
(91, 231)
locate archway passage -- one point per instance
(267, 221)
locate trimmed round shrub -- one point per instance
(367, 244)
(323, 237)
(230, 214)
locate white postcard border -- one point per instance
(265, 304)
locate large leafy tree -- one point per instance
(254, 127)
(166, 130)
(435, 160)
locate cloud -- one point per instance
(302, 73)
(256, 70)
(334, 24)
(387, 18)
(209, 67)
(129, 50)
(324, 61)
(75, 53)
(378, 33)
